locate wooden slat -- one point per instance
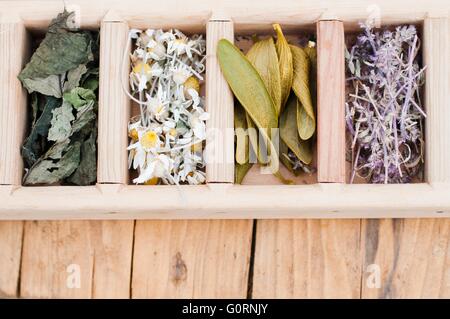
(292, 13)
(226, 201)
(330, 102)
(219, 104)
(191, 259)
(114, 105)
(437, 102)
(10, 252)
(14, 44)
(413, 258)
(102, 250)
(307, 259)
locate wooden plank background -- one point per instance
(226, 259)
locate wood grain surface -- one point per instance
(191, 259)
(11, 235)
(307, 259)
(330, 102)
(55, 251)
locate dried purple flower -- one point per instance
(384, 115)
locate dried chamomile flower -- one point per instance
(168, 135)
(383, 111)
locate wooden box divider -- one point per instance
(330, 102)
(114, 104)
(14, 46)
(219, 104)
(437, 100)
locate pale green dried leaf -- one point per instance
(79, 97)
(50, 85)
(285, 62)
(47, 171)
(249, 89)
(61, 127)
(247, 85)
(263, 56)
(74, 78)
(305, 124)
(240, 171)
(289, 135)
(301, 87)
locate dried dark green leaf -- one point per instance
(61, 50)
(48, 171)
(86, 172)
(32, 147)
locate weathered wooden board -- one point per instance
(10, 254)
(56, 252)
(412, 258)
(307, 259)
(191, 259)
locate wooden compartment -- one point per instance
(327, 197)
(297, 35)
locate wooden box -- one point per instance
(324, 196)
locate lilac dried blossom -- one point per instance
(384, 115)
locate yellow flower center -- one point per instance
(180, 41)
(133, 134)
(152, 181)
(149, 139)
(173, 132)
(192, 83)
(159, 108)
(142, 67)
(196, 147)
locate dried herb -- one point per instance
(62, 78)
(263, 56)
(305, 112)
(168, 135)
(247, 85)
(242, 142)
(262, 83)
(288, 132)
(383, 111)
(243, 164)
(285, 63)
